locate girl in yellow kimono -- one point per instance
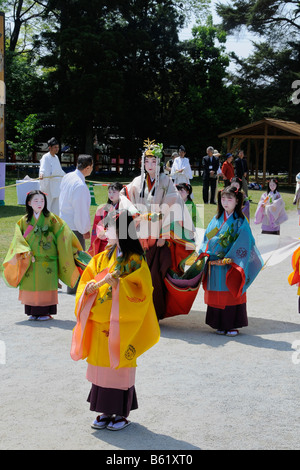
(43, 250)
(116, 322)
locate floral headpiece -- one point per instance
(153, 149)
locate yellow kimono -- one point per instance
(114, 325)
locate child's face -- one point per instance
(272, 185)
(183, 193)
(113, 195)
(37, 202)
(111, 235)
(228, 202)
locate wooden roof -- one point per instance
(275, 127)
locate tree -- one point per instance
(266, 77)
(205, 103)
(26, 132)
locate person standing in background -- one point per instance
(228, 169)
(169, 164)
(75, 201)
(241, 170)
(51, 174)
(210, 165)
(181, 171)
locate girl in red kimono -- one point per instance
(98, 238)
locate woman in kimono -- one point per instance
(164, 224)
(270, 212)
(116, 322)
(42, 252)
(233, 262)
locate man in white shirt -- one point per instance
(181, 171)
(75, 201)
(51, 174)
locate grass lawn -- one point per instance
(11, 212)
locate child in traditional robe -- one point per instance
(116, 322)
(42, 251)
(185, 191)
(233, 262)
(270, 212)
(237, 182)
(98, 238)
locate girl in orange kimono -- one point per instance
(116, 322)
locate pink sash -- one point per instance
(84, 307)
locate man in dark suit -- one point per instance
(210, 165)
(241, 170)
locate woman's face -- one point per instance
(228, 202)
(150, 166)
(272, 185)
(113, 195)
(37, 202)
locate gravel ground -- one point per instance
(196, 390)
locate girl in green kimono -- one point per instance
(42, 252)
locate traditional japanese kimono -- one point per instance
(192, 210)
(41, 252)
(164, 216)
(294, 277)
(98, 238)
(114, 327)
(246, 208)
(228, 240)
(181, 164)
(272, 214)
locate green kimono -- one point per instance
(41, 252)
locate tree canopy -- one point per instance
(117, 68)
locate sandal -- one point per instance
(117, 423)
(101, 421)
(44, 318)
(232, 333)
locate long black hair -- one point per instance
(125, 228)
(29, 209)
(231, 191)
(187, 187)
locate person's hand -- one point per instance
(160, 242)
(91, 287)
(41, 176)
(211, 172)
(86, 235)
(112, 281)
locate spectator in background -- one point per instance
(241, 170)
(170, 163)
(210, 165)
(75, 201)
(228, 169)
(181, 171)
(51, 174)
